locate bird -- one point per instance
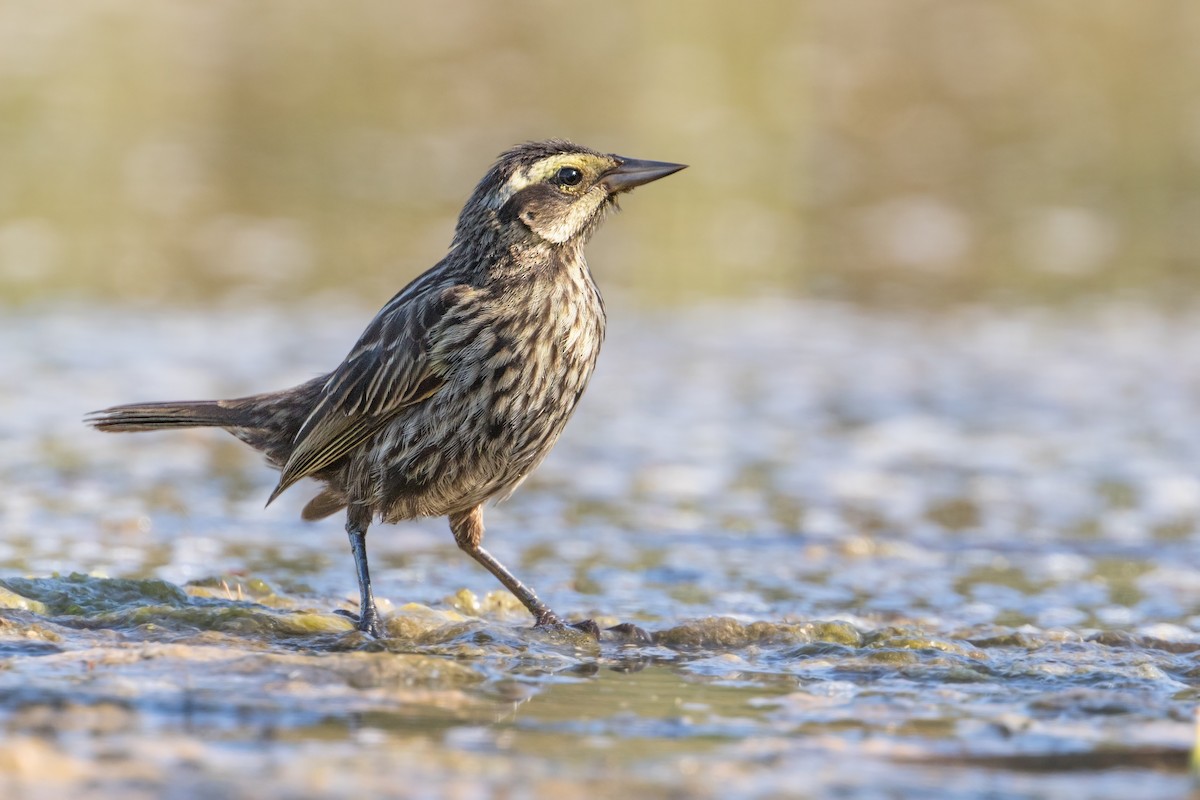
(461, 384)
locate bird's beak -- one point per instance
(631, 172)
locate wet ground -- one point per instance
(880, 554)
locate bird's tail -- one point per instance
(153, 416)
(267, 422)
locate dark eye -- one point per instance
(568, 176)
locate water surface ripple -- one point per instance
(880, 555)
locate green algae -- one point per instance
(474, 671)
(12, 599)
(85, 596)
(724, 633)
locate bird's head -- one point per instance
(554, 191)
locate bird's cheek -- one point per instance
(581, 214)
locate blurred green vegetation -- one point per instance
(874, 149)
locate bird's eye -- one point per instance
(568, 176)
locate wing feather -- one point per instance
(388, 370)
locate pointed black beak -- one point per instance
(633, 172)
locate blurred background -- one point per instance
(900, 402)
(927, 151)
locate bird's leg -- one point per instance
(357, 520)
(468, 533)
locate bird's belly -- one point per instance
(478, 438)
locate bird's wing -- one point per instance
(388, 370)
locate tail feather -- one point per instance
(323, 505)
(154, 416)
(267, 422)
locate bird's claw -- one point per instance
(628, 633)
(589, 627)
(547, 619)
(370, 623)
(625, 633)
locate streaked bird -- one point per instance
(463, 381)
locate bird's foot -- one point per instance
(548, 620)
(369, 622)
(588, 626)
(628, 633)
(625, 633)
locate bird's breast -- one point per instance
(520, 364)
(540, 361)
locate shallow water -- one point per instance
(880, 554)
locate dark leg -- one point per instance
(468, 533)
(357, 521)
